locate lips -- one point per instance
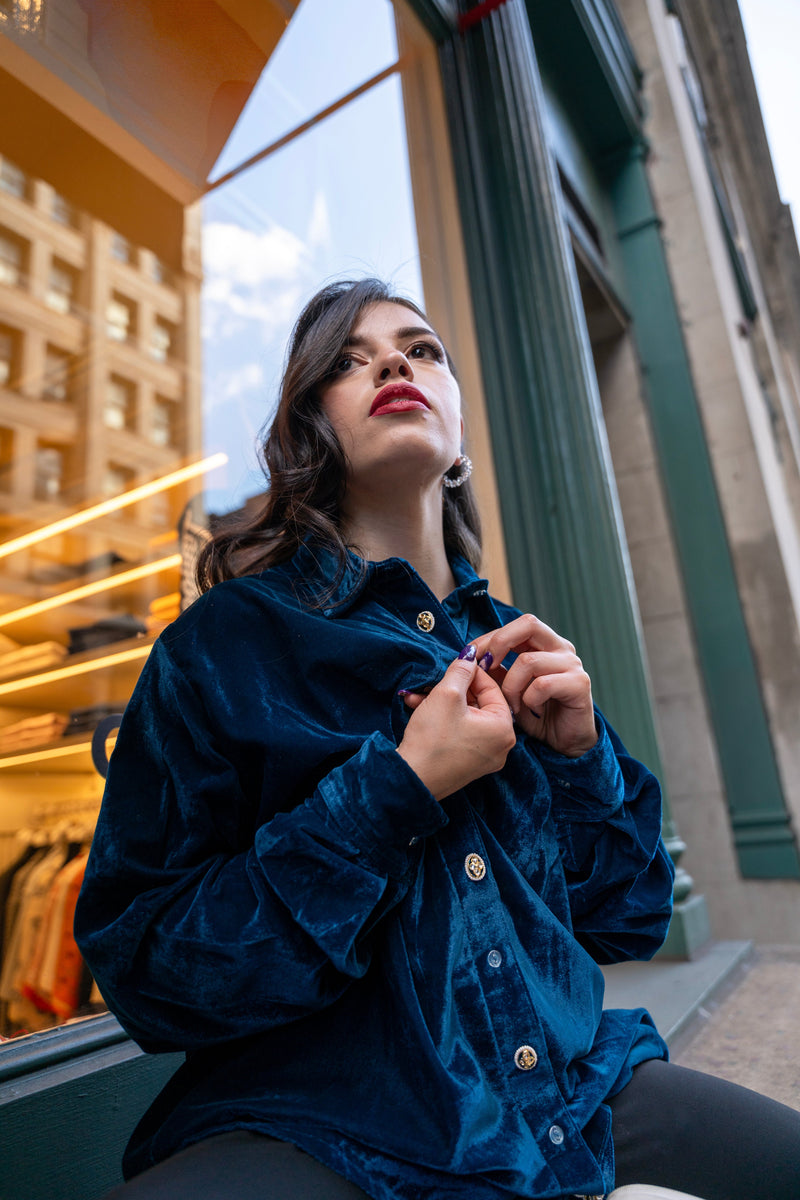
(398, 397)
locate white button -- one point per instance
(494, 958)
(526, 1058)
(475, 866)
(425, 621)
(556, 1134)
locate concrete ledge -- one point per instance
(672, 992)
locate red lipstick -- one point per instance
(398, 397)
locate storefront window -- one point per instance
(133, 386)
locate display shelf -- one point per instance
(66, 755)
(106, 675)
(53, 613)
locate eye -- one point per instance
(342, 365)
(426, 350)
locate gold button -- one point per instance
(475, 866)
(526, 1058)
(425, 621)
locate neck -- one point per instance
(412, 530)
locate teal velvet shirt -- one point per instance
(273, 890)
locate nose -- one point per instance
(390, 363)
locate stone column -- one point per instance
(565, 542)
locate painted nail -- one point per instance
(403, 692)
(468, 653)
(487, 660)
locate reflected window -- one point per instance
(12, 259)
(117, 479)
(6, 459)
(13, 179)
(120, 248)
(162, 337)
(120, 402)
(121, 319)
(62, 211)
(9, 353)
(24, 15)
(161, 422)
(60, 292)
(159, 271)
(48, 481)
(57, 376)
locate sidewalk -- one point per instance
(733, 1012)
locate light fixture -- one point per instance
(24, 682)
(112, 505)
(90, 589)
(11, 760)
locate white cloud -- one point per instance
(248, 259)
(319, 225)
(248, 378)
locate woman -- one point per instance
(365, 839)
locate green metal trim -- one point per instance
(608, 37)
(55, 1046)
(440, 17)
(584, 43)
(763, 837)
(560, 515)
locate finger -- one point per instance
(572, 689)
(525, 632)
(531, 665)
(412, 699)
(487, 693)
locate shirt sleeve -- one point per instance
(198, 924)
(607, 809)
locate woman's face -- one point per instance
(393, 401)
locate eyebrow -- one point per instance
(408, 331)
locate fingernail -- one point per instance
(486, 661)
(468, 653)
(403, 692)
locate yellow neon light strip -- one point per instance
(13, 760)
(116, 502)
(90, 589)
(111, 660)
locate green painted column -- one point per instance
(762, 832)
(566, 548)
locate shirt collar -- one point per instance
(317, 565)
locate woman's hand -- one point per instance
(462, 729)
(546, 688)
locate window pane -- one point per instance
(11, 258)
(61, 286)
(12, 179)
(120, 322)
(49, 479)
(273, 234)
(57, 372)
(119, 405)
(328, 50)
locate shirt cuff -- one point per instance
(590, 787)
(381, 805)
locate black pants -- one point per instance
(672, 1127)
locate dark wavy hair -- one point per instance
(303, 458)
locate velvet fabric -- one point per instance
(273, 890)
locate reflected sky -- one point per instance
(335, 202)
